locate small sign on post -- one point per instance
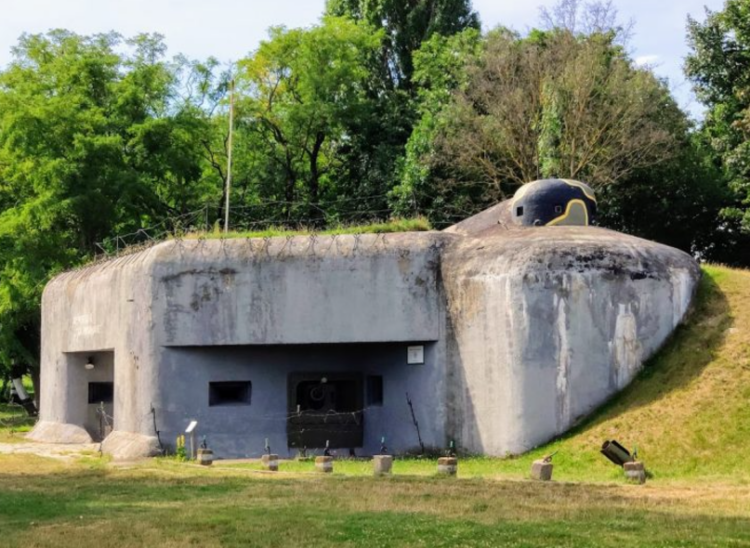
(191, 430)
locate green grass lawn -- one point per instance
(164, 503)
(14, 423)
(688, 413)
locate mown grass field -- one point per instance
(688, 413)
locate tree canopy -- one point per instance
(407, 24)
(552, 104)
(384, 108)
(719, 67)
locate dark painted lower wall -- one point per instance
(241, 430)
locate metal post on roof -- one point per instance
(229, 155)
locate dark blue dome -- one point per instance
(554, 202)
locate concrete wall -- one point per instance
(544, 326)
(91, 311)
(298, 291)
(527, 330)
(240, 431)
(347, 289)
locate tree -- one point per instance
(407, 24)
(372, 159)
(441, 70)
(677, 203)
(582, 18)
(89, 146)
(719, 67)
(550, 104)
(299, 93)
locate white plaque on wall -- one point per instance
(415, 355)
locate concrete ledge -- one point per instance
(130, 446)
(58, 432)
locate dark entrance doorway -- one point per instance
(325, 407)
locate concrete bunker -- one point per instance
(503, 334)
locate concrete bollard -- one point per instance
(205, 457)
(635, 472)
(447, 466)
(270, 462)
(382, 465)
(324, 464)
(541, 470)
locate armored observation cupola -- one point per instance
(554, 202)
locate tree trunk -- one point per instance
(315, 212)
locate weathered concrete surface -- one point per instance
(541, 470)
(270, 462)
(130, 446)
(297, 291)
(635, 472)
(205, 457)
(241, 431)
(324, 464)
(183, 314)
(524, 331)
(447, 466)
(546, 324)
(382, 465)
(56, 432)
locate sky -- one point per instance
(230, 29)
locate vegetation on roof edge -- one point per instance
(416, 224)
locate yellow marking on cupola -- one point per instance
(569, 211)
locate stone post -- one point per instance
(447, 466)
(324, 464)
(205, 456)
(382, 465)
(270, 462)
(635, 472)
(541, 470)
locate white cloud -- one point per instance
(647, 60)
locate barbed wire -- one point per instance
(263, 237)
(200, 219)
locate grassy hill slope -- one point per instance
(689, 410)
